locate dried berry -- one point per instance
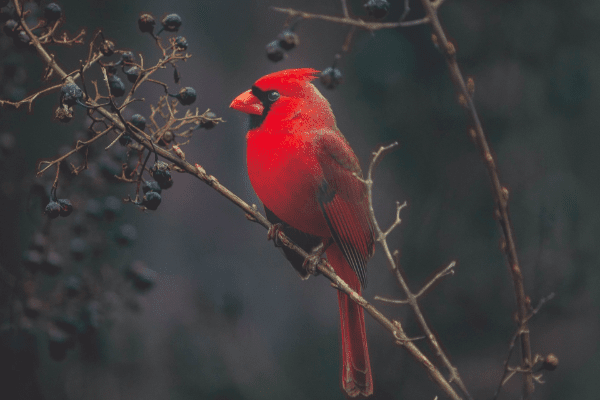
(171, 23)
(208, 123)
(112, 207)
(275, 52)
(78, 248)
(377, 8)
(10, 28)
(151, 186)
(58, 344)
(52, 209)
(186, 96)
(72, 286)
(181, 43)
(52, 12)
(94, 210)
(142, 277)
(331, 77)
(162, 175)
(288, 40)
(107, 48)
(66, 208)
(125, 139)
(152, 200)
(126, 58)
(146, 23)
(138, 121)
(52, 263)
(22, 40)
(70, 93)
(132, 74)
(126, 235)
(116, 85)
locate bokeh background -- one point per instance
(228, 318)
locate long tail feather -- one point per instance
(356, 367)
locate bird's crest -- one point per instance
(286, 78)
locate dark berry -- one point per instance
(22, 40)
(112, 207)
(32, 260)
(126, 235)
(70, 93)
(127, 57)
(79, 248)
(72, 286)
(107, 48)
(146, 23)
(58, 344)
(52, 209)
(138, 121)
(181, 43)
(274, 51)
(52, 264)
(3, 3)
(111, 70)
(125, 139)
(162, 175)
(52, 12)
(151, 186)
(171, 23)
(10, 28)
(142, 277)
(186, 96)
(7, 143)
(132, 74)
(288, 40)
(33, 307)
(39, 241)
(550, 362)
(331, 77)
(167, 137)
(176, 75)
(116, 85)
(377, 8)
(152, 200)
(208, 123)
(94, 210)
(66, 208)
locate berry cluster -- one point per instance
(76, 251)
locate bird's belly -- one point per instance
(285, 175)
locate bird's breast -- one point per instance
(285, 174)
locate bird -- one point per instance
(310, 182)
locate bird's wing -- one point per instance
(343, 200)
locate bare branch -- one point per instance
(359, 23)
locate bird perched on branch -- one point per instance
(307, 176)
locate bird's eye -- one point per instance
(273, 96)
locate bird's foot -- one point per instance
(312, 260)
(273, 234)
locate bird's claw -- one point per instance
(311, 262)
(273, 234)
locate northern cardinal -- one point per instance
(305, 173)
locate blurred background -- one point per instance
(227, 317)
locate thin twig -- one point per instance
(500, 193)
(411, 298)
(359, 23)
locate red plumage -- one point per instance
(304, 171)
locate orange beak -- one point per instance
(247, 103)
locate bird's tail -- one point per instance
(356, 367)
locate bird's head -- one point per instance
(281, 96)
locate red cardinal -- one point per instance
(303, 170)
